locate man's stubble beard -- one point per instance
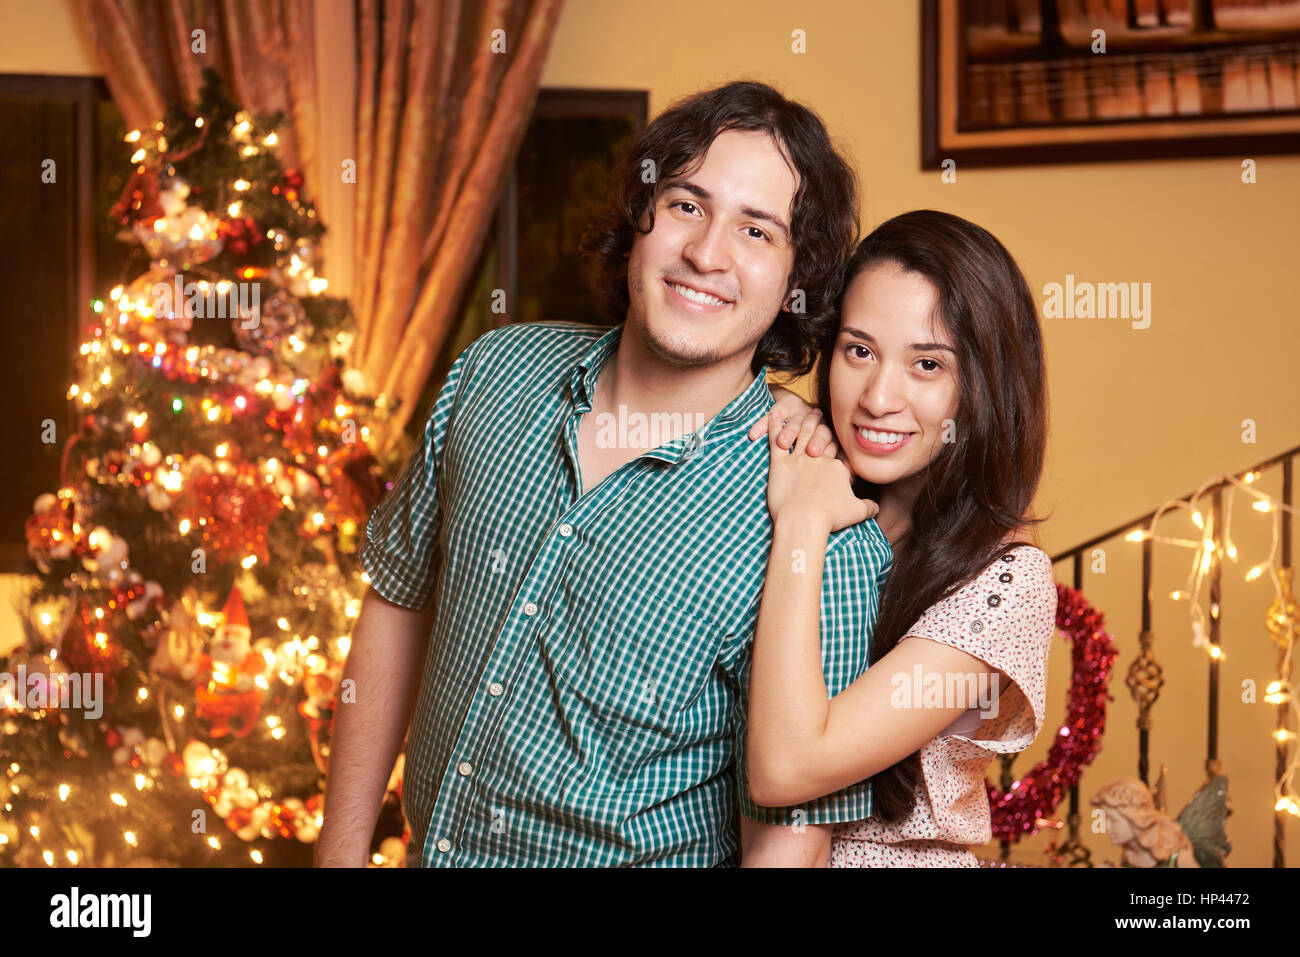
(755, 325)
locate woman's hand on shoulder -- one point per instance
(812, 491)
(792, 411)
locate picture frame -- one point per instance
(1044, 86)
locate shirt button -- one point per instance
(465, 768)
(444, 845)
(566, 530)
(495, 689)
(530, 609)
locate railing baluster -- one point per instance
(1279, 817)
(1145, 676)
(1216, 594)
(1005, 782)
(1144, 642)
(1073, 851)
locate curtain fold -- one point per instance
(263, 49)
(439, 121)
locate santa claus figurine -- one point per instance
(228, 700)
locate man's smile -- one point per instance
(695, 299)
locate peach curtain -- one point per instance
(446, 90)
(263, 49)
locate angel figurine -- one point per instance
(1149, 837)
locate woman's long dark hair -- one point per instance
(824, 219)
(979, 487)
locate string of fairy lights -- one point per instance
(1282, 619)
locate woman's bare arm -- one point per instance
(783, 845)
(802, 744)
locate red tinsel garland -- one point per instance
(236, 509)
(1035, 796)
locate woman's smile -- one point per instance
(881, 443)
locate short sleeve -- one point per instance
(851, 577)
(1005, 617)
(402, 534)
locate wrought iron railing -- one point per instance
(1145, 678)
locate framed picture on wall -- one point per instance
(1046, 81)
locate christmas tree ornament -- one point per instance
(40, 682)
(320, 690)
(203, 766)
(173, 191)
(228, 696)
(131, 748)
(281, 317)
(147, 602)
(233, 792)
(187, 238)
(140, 202)
(239, 235)
(50, 532)
(106, 550)
(182, 639)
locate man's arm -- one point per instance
(391, 635)
(388, 642)
(781, 845)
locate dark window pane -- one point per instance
(41, 265)
(36, 248)
(563, 173)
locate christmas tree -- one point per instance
(197, 567)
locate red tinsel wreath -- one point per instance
(1035, 796)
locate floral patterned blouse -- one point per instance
(1006, 617)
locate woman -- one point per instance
(933, 379)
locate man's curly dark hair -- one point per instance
(824, 222)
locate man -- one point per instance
(581, 596)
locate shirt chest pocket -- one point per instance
(635, 666)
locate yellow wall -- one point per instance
(45, 38)
(1137, 416)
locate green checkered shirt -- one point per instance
(583, 694)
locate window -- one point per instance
(59, 175)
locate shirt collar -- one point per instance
(735, 418)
